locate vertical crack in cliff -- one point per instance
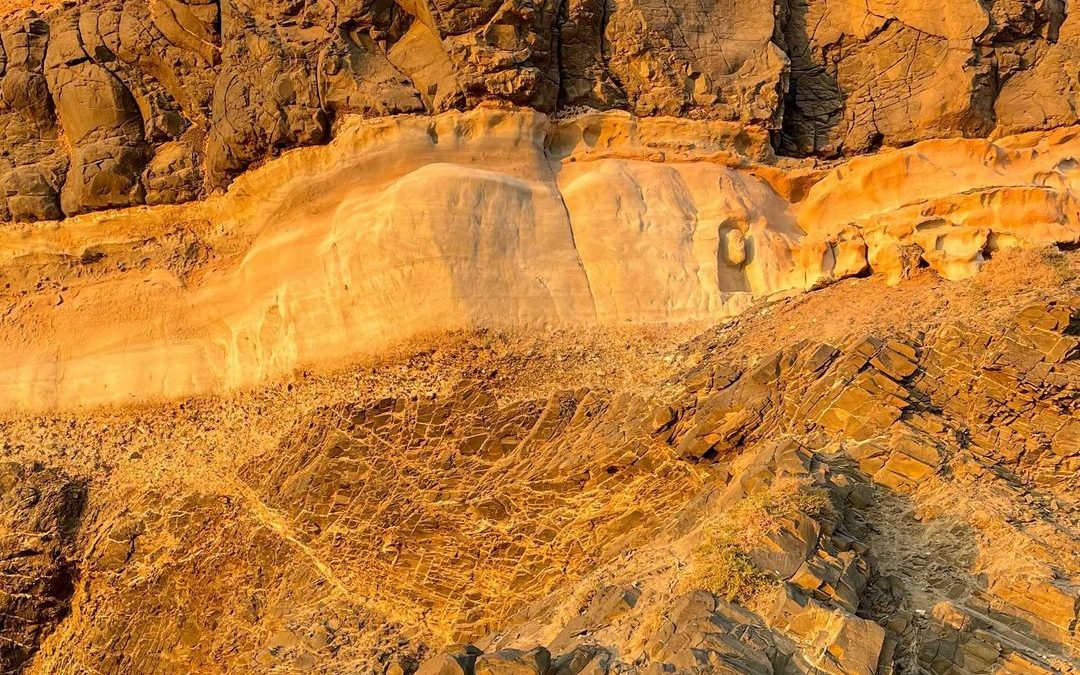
(569, 222)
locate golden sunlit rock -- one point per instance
(539, 337)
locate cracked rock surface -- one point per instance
(115, 103)
(892, 494)
(40, 510)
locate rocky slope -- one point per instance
(539, 337)
(892, 492)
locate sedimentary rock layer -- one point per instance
(113, 103)
(412, 224)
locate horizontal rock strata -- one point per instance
(409, 225)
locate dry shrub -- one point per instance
(722, 569)
(1046, 267)
(720, 562)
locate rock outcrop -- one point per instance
(111, 103)
(796, 511)
(405, 226)
(39, 517)
(539, 337)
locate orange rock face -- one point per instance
(402, 227)
(539, 337)
(844, 505)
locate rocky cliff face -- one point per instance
(501, 218)
(540, 337)
(115, 103)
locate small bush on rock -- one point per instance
(721, 564)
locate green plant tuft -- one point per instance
(721, 564)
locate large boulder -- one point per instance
(717, 58)
(32, 164)
(883, 73)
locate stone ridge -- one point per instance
(115, 103)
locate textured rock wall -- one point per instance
(112, 103)
(405, 226)
(40, 510)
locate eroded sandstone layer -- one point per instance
(404, 226)
(399, 167)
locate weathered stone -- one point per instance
(252, 79)
(40, 511)
(833, 641)
(720, 58)
(33, 165)
(584, 76)
(173, 175)
(102, 123)
(696, 637)
(786, 549)
(846, 95)
(896, 360)
(458, 660)
(514, 662)
(1052, 607)
(584, 660)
